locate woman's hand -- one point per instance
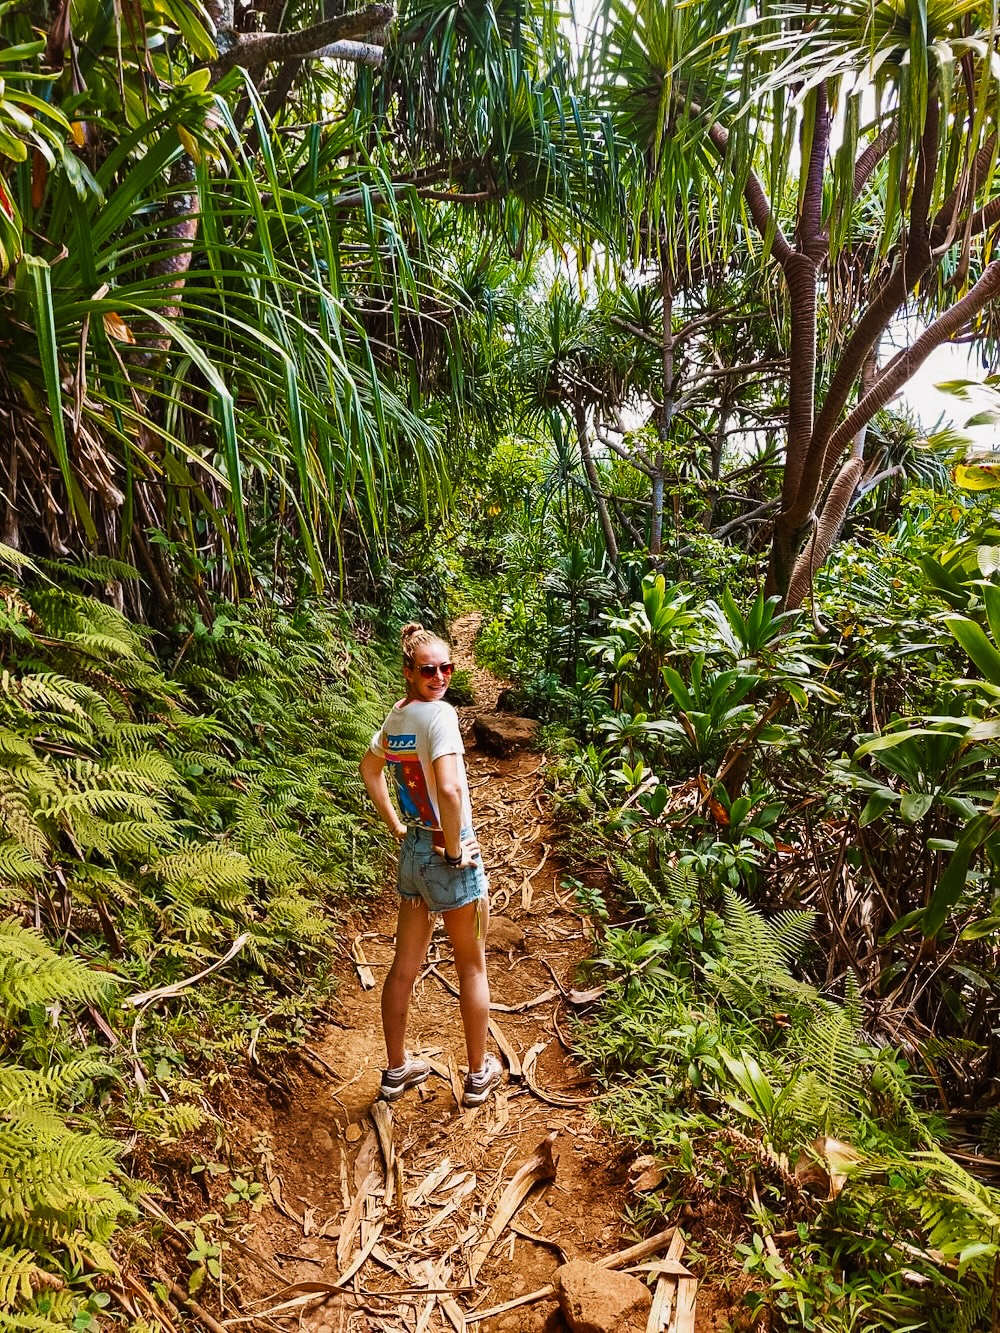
(400, 832)
(469, 852)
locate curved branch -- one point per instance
(755, 516)
(904, 365)
(872, 156)
(757, 200)
(359, 53)
(260, 48)
(828, 529)
(914, 261)
(945, 226)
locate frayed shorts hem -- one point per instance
(424, 876)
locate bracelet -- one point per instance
(453, 860)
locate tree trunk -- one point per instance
(590, 468)
(827, 530)
(666, 413)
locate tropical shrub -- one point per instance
(721, 1055)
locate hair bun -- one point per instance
(414, 636)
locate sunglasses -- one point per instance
(429, 669)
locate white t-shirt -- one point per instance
(411, 738)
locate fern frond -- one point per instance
(123, 837)
(31, 972)
(212, 866)
(91, 626)
(17, 864)
(28, 1321)
(49, 692)
(90, 568)
(832, 1071)
(21, 1089)
(18, 1270)
(754, 971)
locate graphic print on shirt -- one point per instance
(411, 784)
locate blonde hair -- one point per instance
(414, 636)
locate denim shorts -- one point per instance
(424, 874)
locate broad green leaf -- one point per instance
(978, 930)
(973, 639)
(951, 885)
(914, 805)
(878, 803)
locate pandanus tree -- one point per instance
(576, 369)
(181, 353)
(238, 320)
(858, 140)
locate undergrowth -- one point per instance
(765, 1102)
(153, 820)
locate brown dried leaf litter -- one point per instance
(424, 1275)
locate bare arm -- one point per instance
(373, 775)
(449, 794)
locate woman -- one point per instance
(440, 869)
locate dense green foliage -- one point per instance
(799, 817)
(152, 822)
(604, 340)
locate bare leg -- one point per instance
(414, 925)
(470, 963)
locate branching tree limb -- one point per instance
(257, 48)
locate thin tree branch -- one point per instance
(755, 516)
(636, 331)
(359, 53)
(638, 461)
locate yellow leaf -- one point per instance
(78, 132)
(977, 476)
(190, 144)
(115, 327)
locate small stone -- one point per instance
(504, 935)
(352, 1133)
(322, 1142)
(600, 1300)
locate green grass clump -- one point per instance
(461, 691)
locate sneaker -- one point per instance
(479, 1086)
(396, 1081)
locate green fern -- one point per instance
(831, 1076)
(975, 1305)
(678, 884)
(32, 973)
(17, 865)
(213, 867)
(18, 1273)
(754, 972)
(90, 569)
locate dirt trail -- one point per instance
(341, 1205)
